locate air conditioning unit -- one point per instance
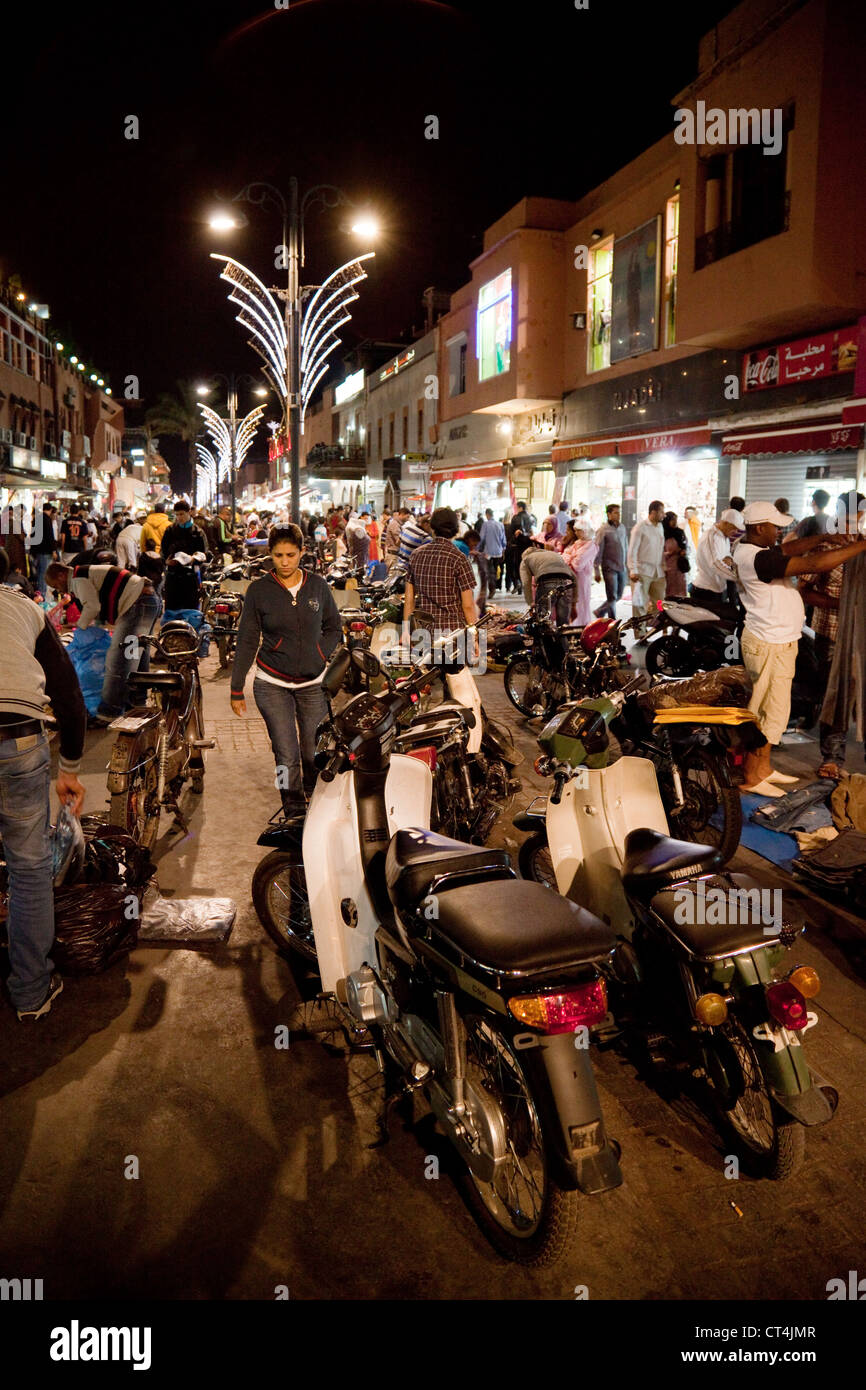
(34, 442)
(21, 441)
(5, 436)
(49, 451)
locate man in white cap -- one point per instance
(774, 621)
(713, 564)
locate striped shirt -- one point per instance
(104, 592)
(411, 537)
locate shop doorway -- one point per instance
(679, 483)
(597, 489)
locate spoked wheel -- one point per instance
(536, 862)
(525, 1215)
(529, 687)
(712, 813)
(135, 807)
(772, 1149)
(223, 651)
(280, 897)
(669, 656)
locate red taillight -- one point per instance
(425, 755)
(221, 608)
(660, 605)
(357, 627)
(787, 1005)
(562, 1013)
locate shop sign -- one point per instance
(805, 359)
(458, 432)
(24, 459)
(821, 439)
(637, 397)
(397, 365)
(349, 388)
(415, 458)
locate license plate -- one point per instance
(130, 724)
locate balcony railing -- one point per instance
(729, 237)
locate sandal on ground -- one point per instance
(832, 770)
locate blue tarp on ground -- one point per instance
(87, 652)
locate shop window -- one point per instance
(672, 228)
(391, 437)
(420, 428)
(379, 441)
(457, 367)
(405, 429)
(598, 305)
(493, 341)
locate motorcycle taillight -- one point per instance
(425, 755)
(357, 627)
(787, 1005)
(221, 608)
(563, 1012)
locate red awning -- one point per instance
(473, 470)
(805, 439)
(689, 438)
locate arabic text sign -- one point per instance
(803, 360)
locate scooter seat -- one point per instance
(653, 861)
(157, 680)
(518, 927)
(743, 904)
(419, 859)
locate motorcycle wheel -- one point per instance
(223, 651)
(136, 810)
(280, 898)
(535, 860)
(523, 681)
(772, 1148)
(196, 768)
(706, 788)
(669, 656)
(526, 1216)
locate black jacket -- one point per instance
(292, 641)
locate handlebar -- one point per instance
(559, 780)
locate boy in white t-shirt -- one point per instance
(774, 621)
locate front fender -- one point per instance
(286, 836)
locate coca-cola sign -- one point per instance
(805, 359)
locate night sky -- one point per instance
(533, 98)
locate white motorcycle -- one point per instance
(474, 987)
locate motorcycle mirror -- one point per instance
(332, 681)
(366, 661)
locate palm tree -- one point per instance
(178, 415)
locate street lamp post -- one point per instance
(232, 381)
(293, 213)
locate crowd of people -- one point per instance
(777, 571)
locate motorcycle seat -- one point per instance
(419, 859)
(652, 861)
(517, 927)
(160, 680)
(749, 923)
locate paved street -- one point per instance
(252, 1170)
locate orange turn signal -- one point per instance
(806, 980)
(711, 1009)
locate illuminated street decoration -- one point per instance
(232, 447)
(323, 315)
(207, 472)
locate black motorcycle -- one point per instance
(546, 665)
(693, 637)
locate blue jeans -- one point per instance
(40, 564)
(25, 826)
(614, 584)
(292, 717)
(124, 657)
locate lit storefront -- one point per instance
(779, 449)
(472, 490)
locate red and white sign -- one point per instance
(481, 470)
(691, 438)
(805, 359)
(809, 439)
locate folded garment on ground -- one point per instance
(186, 921)
(848, 802)
(789, 812)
